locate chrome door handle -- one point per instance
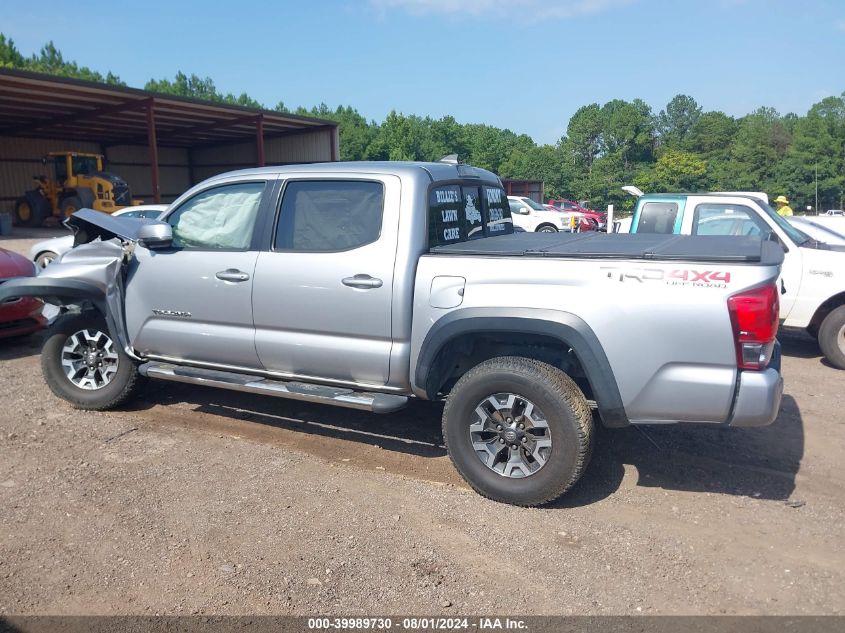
(362, 281)
(232, 274)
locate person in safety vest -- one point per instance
(783, 206)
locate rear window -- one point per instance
(498, 212)
(458, 213)
(657, 217)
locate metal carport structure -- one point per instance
(145, 133)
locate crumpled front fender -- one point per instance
(91, 273)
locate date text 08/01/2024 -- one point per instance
(417, 624)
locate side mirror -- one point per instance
(524, 210)
(153, 235)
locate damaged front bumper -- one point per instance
(90, 274)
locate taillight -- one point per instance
(754, 317)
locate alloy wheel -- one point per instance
(89, 359)
(511, 435)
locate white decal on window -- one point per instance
(448, 195)
(473, 214)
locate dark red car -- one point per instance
(18, 315)
(569, 205)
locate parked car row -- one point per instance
(531, 216)
(600, 218)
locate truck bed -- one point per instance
(738, 250)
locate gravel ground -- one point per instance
(201, 501)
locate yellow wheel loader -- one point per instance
(74, 180)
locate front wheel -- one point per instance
(832, 337)
(547, 228)
(518, 430)
(84, 365)
(69, 206)
(45, 259)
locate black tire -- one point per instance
(70, 205)
(547, 228)
(832, 337)
(31, 209)
(45, 258)
(567, 414)
(24, 215)
(123, 385)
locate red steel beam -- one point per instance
(259, 139)
(334, 144)
(152, 142)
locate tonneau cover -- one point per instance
(622, 246)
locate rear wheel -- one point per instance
(84, 365)
(31, 209)
(70, 205)
(518, 431)
(23, 212)
(547, 228)
(832, 337)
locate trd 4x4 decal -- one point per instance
(676, 277)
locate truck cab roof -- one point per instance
(436, 171)
(757, 195)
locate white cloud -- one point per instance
(527, 10)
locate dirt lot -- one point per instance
(202, 501)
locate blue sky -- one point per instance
(522, 64)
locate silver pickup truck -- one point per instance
(364, 285)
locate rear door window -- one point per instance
(658, 217)
(329, 215)
(458, 213)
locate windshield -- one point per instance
(143, 213)
(534, 205)
(823, 233)
(796, 235)
(84, 165)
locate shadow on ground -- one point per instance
(756, 462)
(799, 344)
(21, 346)
(414, 430)
(753, 462)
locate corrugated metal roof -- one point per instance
(37, 105)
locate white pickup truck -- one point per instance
(812, 280)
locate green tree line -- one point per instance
(680, 148)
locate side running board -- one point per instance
(337, 396)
